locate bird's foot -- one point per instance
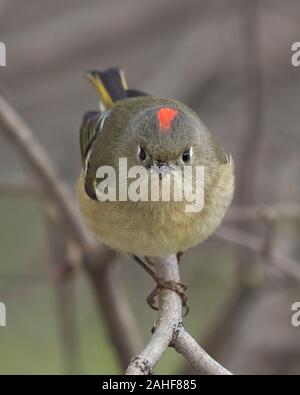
(161, 284)
(171, 285)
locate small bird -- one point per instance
(159, 135)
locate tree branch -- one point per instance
(286, 265)
(169, 330)
(53, 186)
(275, 211)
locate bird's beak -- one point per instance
(163, 169)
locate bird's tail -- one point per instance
(110, 84)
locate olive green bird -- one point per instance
(160, 135)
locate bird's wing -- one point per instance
(92, 125)
(111, 86)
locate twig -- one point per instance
(200, 360)
(169, 330)
(269, 244)
(276, 211)
(256, 244)
(48, 176)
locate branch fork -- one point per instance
(169, 330)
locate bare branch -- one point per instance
(275, 211)
(169, 330)
(254, 243)
(186, 345)
(169, 319)
(48, 176)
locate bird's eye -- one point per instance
(141, 153)
(186, 156)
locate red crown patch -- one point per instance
(165, 117)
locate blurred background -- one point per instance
(231, 62)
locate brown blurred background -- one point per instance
(228, 60)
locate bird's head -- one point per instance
(163, 134)
(160, 135)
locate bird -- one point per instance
(161, 136)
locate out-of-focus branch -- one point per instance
(62, 257)
(19, 190)
(273, 211)
(169, 330)
(53, 186)
(251, 51)
(111, 297)
(269, 245)
(256, 244)
(94, 255)
(244, 291)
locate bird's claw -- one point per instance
(179, 288)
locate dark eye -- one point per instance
(186, 156)
(142, 154)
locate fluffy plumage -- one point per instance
(146, 227)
